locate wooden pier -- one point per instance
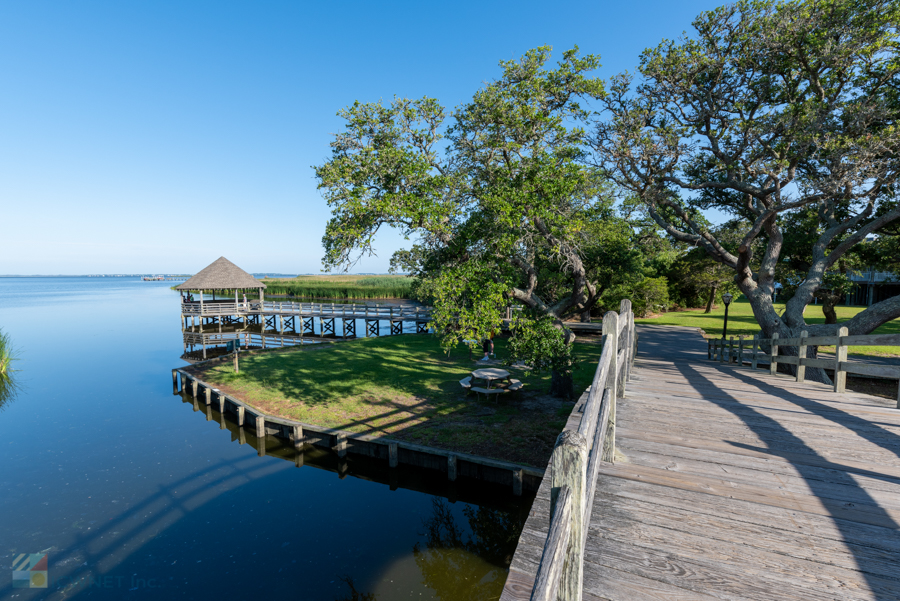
(257, 323)
(267, 324)
(730, 483)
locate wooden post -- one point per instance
(754, 362)
(611, 329)
(393, 459)
(709, 346)
(340, 445)
(221, 402)
(451, 468)
(240, 413)
(568, 466)
(731, 350)
(840, 355)
(194, 386)
(801, 354)
(773, 367)
(260, 426)
(741, 351)
(208, 393)
(298, 439)
(517, 475)
(722, 350)
(174, 382)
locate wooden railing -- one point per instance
(726, 352)
(214, 308)
(576, 461)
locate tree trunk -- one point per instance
(712, 298)
(561, 385)
(828, 309)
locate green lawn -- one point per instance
(405, 387)
(741, 321)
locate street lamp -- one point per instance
(726, 298)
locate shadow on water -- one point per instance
(780, 441)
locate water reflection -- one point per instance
(460, 563)
(129, 490)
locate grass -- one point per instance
(406, 388)
(342, 286)
(742, 322)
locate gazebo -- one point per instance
(220, 276)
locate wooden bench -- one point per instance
(466, 383)
(514, 385)
(489, 391)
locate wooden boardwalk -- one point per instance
(734, 484)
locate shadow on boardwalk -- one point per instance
(733, 484)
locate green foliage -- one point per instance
(540, 344)
(468, 303)
(512, 210)
(647, 295)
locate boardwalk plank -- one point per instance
(734, 484)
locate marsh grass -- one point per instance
(8, 386)
(342, 286)
(405, 387)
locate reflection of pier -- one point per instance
(257, 323)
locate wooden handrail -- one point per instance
(576, 460)
(546, 585)
(840, 365)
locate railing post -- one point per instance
(741, 351)
(731, 350)
(754, 362)
(801, 355)
(568, 466)
(840, 355)
(611, 330)
(722, 350)
(773, 352)
(625, 313)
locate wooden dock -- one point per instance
(735, 484)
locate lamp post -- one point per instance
(726, 298)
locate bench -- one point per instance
(489, 391)
(514, 385)
(466, 383)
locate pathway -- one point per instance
(733, 484)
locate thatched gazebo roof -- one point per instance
(222, 274)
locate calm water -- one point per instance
(137, 493)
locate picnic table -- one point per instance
(491, 374)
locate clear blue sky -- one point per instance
(157, 136)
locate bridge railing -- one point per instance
(727, 352)
(229, 307)
(576, 461)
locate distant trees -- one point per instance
(771, 108)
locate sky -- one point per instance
(156, 136)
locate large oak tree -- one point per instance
(499, 195)
(770, 108)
